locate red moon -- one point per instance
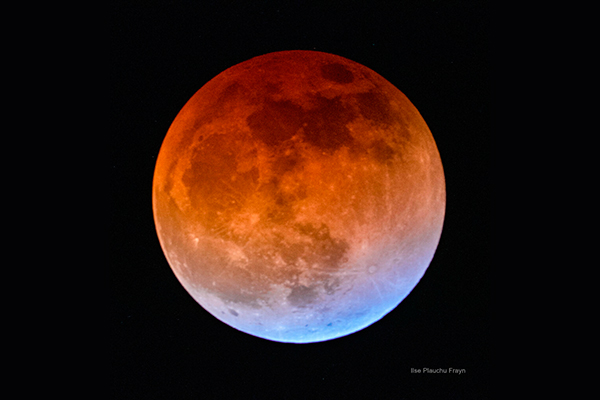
(299, 196)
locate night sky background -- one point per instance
(163, 344)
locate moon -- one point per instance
(299, 196)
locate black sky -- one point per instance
(164, 345)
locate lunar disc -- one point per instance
(299, 196)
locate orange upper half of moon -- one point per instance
(301, 140)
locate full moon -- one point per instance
(299, 196)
